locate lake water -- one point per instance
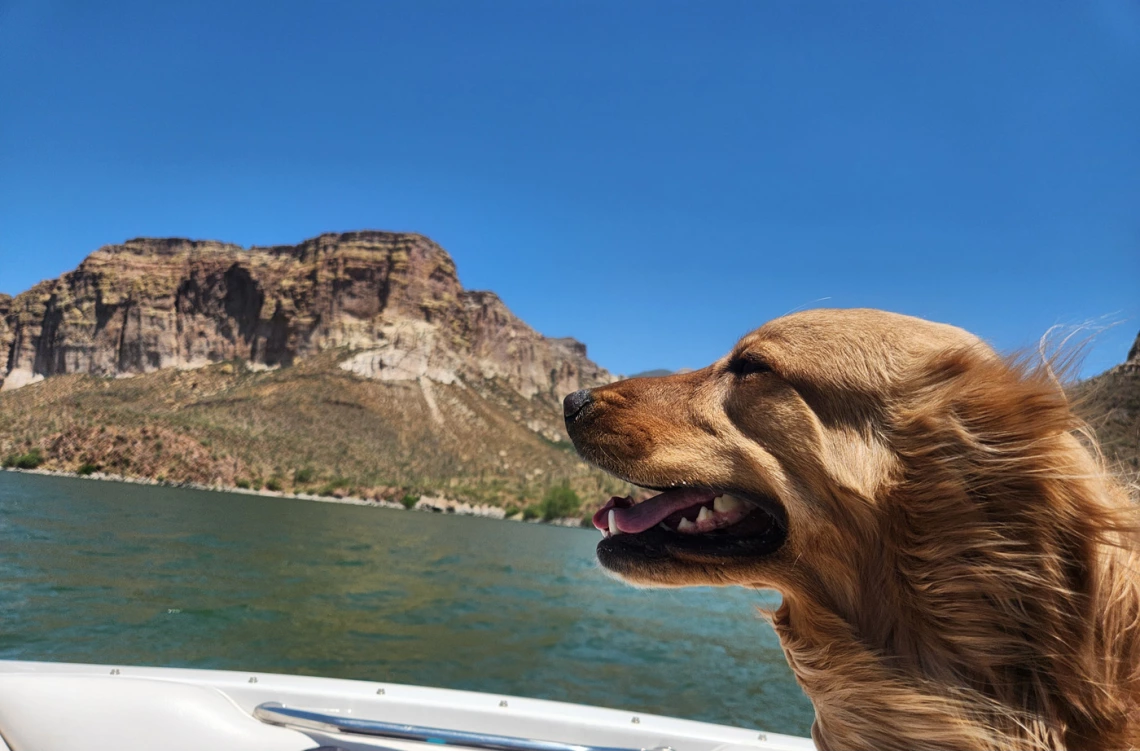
(131, 574)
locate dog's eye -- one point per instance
(747, 365)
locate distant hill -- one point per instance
(1111, 403)
(352, 362)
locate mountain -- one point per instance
(351, 362)
(1111, 402)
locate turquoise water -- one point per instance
(128, 574)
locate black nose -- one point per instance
(574, 403)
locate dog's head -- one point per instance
(956, 567)
(781, 442)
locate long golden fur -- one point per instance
(958, 570)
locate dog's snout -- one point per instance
(574, 403)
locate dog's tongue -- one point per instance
(632, 519)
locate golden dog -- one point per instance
(957, 569)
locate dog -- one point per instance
(957, 568)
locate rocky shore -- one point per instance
(428, 504)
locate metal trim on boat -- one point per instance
(276, 713)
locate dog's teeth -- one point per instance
(613, 524)
(726, 503)
(686, 526)
(704, 514)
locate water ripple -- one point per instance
(115, 573)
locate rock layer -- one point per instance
(393, 301)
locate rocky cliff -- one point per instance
(391, 301)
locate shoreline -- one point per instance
(425, 503)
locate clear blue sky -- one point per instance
(654, 178)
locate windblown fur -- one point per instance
(960, 570)
(997, 579)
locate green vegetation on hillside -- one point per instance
(28, 460)
(560, 502)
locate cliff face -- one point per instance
(392, 300)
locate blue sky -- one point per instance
(653, 178)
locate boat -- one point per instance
(48, 706)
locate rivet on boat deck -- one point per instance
(253, 679)
(636, 720)
(503, 703)
(380, 691)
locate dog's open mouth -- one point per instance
(690, 520)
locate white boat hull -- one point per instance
(73, 707)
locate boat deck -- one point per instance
(55, 706)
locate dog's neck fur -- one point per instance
(992, 596)
(901, 684)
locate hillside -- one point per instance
(1111, 403)
(352, 363)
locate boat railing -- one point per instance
(278, 714)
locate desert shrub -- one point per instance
(531, 512)
(273, 484)
(336, 484)
(409, 500)
(304, 475)
(510, 510)
(87, 468)
(242, 483)
(560, 501)
(30, 460)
